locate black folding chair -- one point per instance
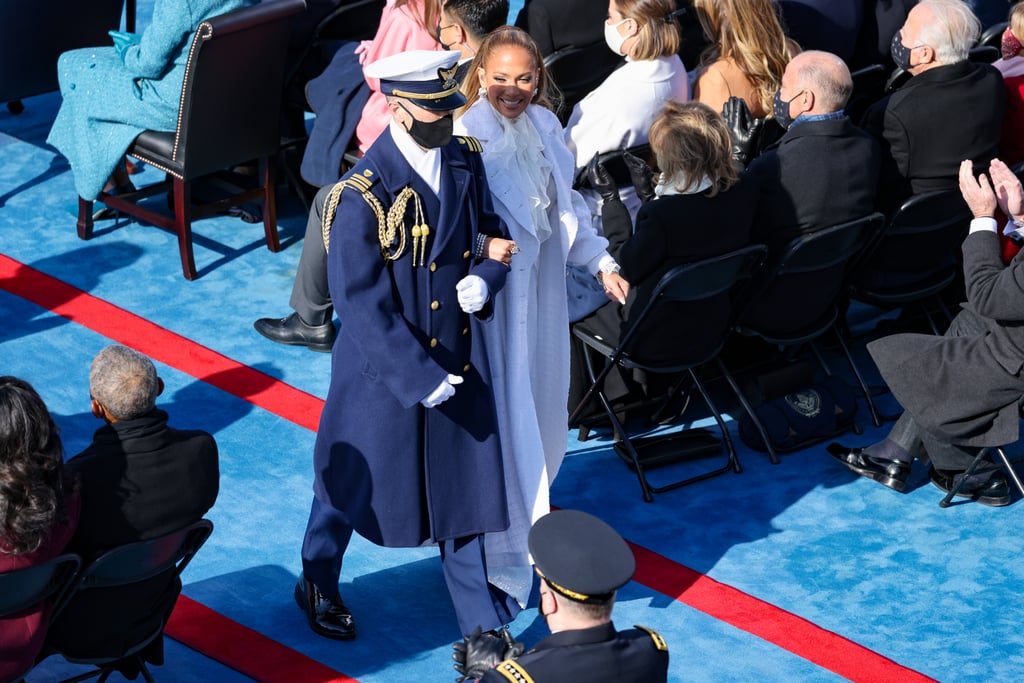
(24, 588)
(795, 302)
(129, 565)
(915, 256)
(695, 282)
(993, 35)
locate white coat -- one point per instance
(527, 342)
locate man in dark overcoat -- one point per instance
(951, 108)
(962, 391)
(407, 452)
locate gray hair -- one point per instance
(827, 76)
(953, 31)
(124, 382)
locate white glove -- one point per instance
(472, 293)
(444, 391)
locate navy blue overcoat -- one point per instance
(404, 474)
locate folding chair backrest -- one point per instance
(924, 235)
(23, 588)
(800, 291)
(231, 94)
(136, 562)
(701, 280)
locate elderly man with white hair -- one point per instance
(951, 109)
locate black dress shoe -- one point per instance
(891, 473)
(328, 617)
(295, 331)
(987, 488)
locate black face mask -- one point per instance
(431, 135)
(900, 52)
(780, 108)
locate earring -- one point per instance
(481, 92)
(535, 91)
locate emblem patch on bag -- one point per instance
(806, 402)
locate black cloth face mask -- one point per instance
(430, 135)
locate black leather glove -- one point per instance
(744, 128)
(479, 652)
(601, 180)
(641, 175)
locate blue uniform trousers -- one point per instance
(476, 602)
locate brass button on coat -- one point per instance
(434, 305)
(433, 342)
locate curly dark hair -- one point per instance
(32, 478)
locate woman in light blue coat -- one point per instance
(111, 94)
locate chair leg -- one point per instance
(734, 459)
(1010, 470)
(875, 419)
(772, 456)
(183, 226)
(269, 205)
(620, 430)
(84, 219)
(944, 503)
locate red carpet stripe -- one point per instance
(160, 344)
(243, 649)
(764, 620)
(828, 650)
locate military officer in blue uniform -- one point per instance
(407, 451)
(581, 562)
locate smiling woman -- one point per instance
(530, 172)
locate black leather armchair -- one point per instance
(229, 114)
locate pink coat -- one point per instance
(400, 30)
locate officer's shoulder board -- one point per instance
(659, 642)
(511, 670)
(361, 183)
(470, 143)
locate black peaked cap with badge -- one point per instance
(580, 556)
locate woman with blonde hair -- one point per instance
(618, 113)
(748, 53)
(702, 208)
(530, 173)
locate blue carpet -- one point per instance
(931, 589)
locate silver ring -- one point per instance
(514, 249)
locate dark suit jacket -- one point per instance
(927, 127)
(597, 655)
(820, 174)
(555, 24)
(139, 479)
(965, 389)
(671, 231)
